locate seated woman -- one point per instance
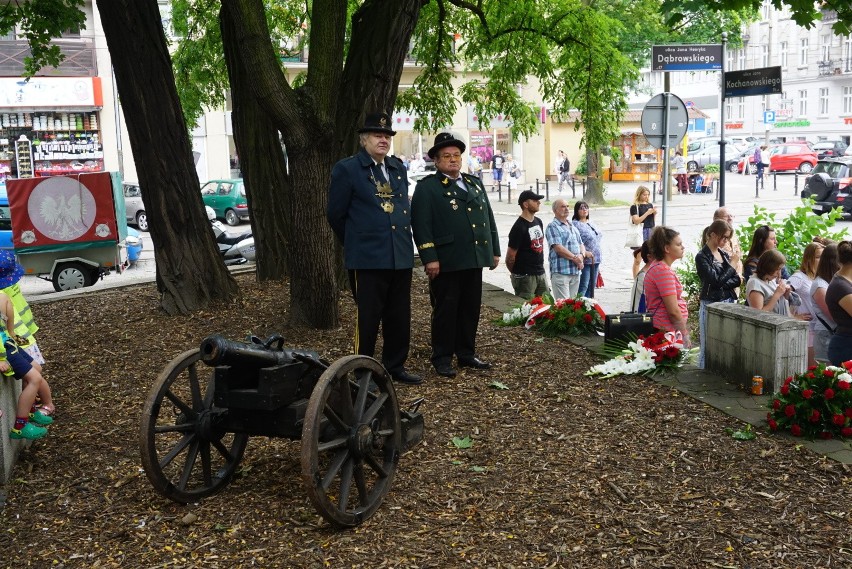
(766, 290)
(637, 294)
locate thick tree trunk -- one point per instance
(263, 164)
(190, 272)
(594, 183)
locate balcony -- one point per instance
(834, 67)
(79, 59)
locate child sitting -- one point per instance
(24, 324)
(14, 361)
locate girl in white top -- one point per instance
(823, 324)
(801, 282)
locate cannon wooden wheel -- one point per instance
(185, 452)
(351, 440)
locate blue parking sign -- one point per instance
(769, 117)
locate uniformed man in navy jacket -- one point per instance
(456, 235)
(369, 211)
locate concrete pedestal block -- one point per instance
(743, 342)
(10, 389)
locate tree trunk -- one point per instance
(190, 272)
(263, 163)
(318, 122)
(594, 184)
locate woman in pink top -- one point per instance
(663, 291)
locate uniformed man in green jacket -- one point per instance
(454, 231)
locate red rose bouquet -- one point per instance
(572, 317)
(814, 404)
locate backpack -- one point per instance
(757, 155)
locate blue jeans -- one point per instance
(702, 329)
(588, 279)
(839, 349)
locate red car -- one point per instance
(798, 156)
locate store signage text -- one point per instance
(792, 124)
(50, 92)
(734, 125)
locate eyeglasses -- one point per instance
(450, 156)
(583, 207)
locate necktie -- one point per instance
(380, 174)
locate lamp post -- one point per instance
(722, 142)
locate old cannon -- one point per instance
(197, 420)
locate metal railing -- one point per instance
(80, 60)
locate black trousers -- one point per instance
(456, 299)
(383, 297)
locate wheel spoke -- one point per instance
(375, 408)
(178, 448)
(376, 466)
(335, 419)
(194, 387)
(206, 467)
(332, 444)
(361, 484)
(181, 428)
(361, 399)
(178, 402)
(191, 457)
(333, 468)
(345, 485)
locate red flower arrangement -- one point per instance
(814, 404)
(569, 316)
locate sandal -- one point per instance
(47, 410)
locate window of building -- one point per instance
(741, 58)
(823, 100)
(741, 108)
(729, 108)
(847, 100)
(764, 56)
(803, 102)
(764, 10)
(783, 54)
(847, 53)
(825, 48)
(764, 104)
(729, 64)
(803, 51)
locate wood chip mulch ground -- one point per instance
(564, 471)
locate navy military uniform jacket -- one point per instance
(371, 237)
(454, 226)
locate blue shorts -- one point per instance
(498, 175)
(20, 361)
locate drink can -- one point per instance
(757, 385)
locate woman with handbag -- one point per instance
(512, 170)
(591, 237)
(822, 322)
(718, 275)
(838, 298)
(642, 214)
(663, 291)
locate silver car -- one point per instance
(134, 207)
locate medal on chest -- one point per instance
(454, 204)
(385, 194)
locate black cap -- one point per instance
(443, 140)
(528, 195)
(377, 122)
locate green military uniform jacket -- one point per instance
(454, 226)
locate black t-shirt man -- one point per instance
(527, 238)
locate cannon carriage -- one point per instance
(207, 402)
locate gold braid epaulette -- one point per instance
(426, 246)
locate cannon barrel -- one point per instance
(216, 350)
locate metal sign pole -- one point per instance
(666, 171)
(722, 143)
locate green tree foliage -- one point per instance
(39, 21)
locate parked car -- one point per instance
(134, 208)
(704, 151)
(830, 184)
(797, 156)
(414, 177)
(829, 148)
(737, 163)
(227, 198)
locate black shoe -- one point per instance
(407, 378)
(445, 369)
(474, 362)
